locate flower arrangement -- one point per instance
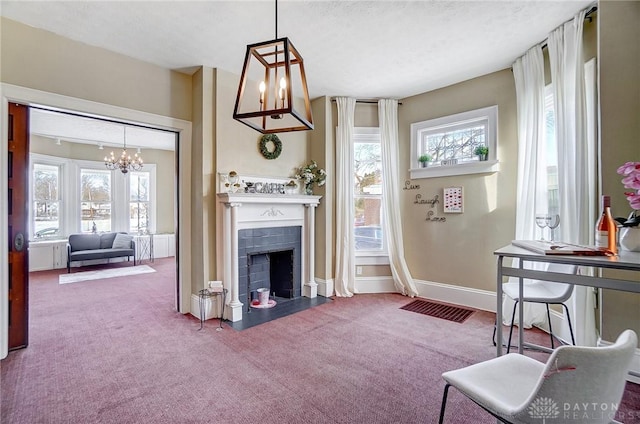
(311, 174)
(631, 173)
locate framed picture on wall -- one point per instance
(453, 200)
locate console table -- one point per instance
(624, 261)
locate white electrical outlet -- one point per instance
(358, 270)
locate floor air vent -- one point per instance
(438, 310)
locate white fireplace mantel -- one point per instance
(254, 210)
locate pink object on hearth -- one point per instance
(256, 304)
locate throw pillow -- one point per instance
(122, 241)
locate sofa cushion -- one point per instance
(122, 241)
(84, 242)
(86, 255)
(106, 240)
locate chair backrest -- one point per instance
(582, 384)
(561, 291)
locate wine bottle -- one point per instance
(606, 227)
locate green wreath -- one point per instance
(277, 146)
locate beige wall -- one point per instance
(163, 159)
(322, 148)
(619, 73)
(459, 251)
(44, 61)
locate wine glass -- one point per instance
(553, 220)
(541, 221)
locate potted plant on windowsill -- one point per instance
(424, 160)
(482, 152)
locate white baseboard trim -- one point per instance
(463, 296)
(325, 287)
(375, 285)
(635, 363)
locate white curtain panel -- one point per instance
(391, 224)
(574, 169)
(345, 251)
(528, 72)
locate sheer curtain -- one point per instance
(575, 171)
(345, 251)
(528, 72)
(388, 122)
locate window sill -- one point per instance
(460, 169)
(372, 259)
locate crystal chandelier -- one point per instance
(125, 162)
(279, 102)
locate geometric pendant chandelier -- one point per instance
(273, 94)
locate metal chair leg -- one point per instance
(573, 340)
(513, 318)
(550, 329)
(444, 403)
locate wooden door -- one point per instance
(18, 170)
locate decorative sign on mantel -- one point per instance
(234, 183)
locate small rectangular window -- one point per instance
(463, 143)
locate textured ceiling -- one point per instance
(364, 49)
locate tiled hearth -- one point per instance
(272, 216)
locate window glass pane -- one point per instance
(368, 229)
(96, 200)
(46, 205)
(367, 194)
(139, 186)
(457, 142)
(138, 217)
(368, 168)
(551, 153)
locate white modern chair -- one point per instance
(538, 291)
(577, 384)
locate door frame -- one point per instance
(32, 97)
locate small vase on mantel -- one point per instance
(308, 189)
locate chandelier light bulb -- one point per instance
(262, 89)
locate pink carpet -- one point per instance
(114, 351)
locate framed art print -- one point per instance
(453, 200)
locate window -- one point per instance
(95, 200)
(367, 192)
(139, 202)
(46, 219)
(451, 143)
(69, 195)
(550, 155)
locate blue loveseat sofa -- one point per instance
(84, 247)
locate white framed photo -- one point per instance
(453, 199)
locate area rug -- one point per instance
(438, 310)
(104, 273)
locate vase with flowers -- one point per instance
(630, 230)
(311, 174)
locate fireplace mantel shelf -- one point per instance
(300, 199)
